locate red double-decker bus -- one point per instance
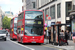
(13, 28)
(30, 26)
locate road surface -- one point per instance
(13, 45)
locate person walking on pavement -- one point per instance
(70, 35)
(73, 36)
(49, 31)
(45, 34)
(67, 36)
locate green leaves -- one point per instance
(6, 22)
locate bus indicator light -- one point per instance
(22, 29)
(12, 29)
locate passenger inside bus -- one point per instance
(38, 17)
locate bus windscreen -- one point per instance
(33, 23)
(33, 15)
(15, 22)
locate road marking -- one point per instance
(22, 45)
(60, 49)
(52, 47)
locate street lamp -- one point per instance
(48, 18)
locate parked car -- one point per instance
(3, 34)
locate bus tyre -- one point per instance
(40, 43)
(4, 39)
(12, 39)
(18, 42)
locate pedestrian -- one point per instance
(61, 36)
(73, 36)
(49, 31)
(70, 35)
(62, 33)
(66, 36)
(45, 34)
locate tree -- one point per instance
(6, 22)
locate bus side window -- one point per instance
(19, 31)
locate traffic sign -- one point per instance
(49, 18)
(46, 15)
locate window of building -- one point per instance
(33, 4)
(52, 12)
(68, 8)
(46, 13)
(58, 10)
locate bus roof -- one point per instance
(30, 10)
(14, 17)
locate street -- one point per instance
(51, 22)
(13, 45)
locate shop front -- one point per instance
(72, 19)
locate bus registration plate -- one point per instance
(33, 42)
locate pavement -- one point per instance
(71, 45)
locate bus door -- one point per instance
(11, 33)
(18, 34)
(21, 35)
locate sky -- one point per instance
(14, 5)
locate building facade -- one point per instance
(1, 17)
(72, 16)
(56, 9)
(29, 5)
